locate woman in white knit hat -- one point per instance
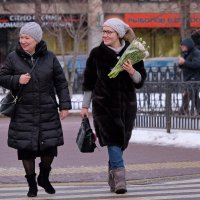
(113, 100)
(35, 129)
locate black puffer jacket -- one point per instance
(191, 67)
(113, 100)
(36, 123)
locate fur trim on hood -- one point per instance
(129, 36)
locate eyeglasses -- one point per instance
(109, 33)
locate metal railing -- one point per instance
(153, 75)
(167, 74)
(164, 102)
(169, 105)
(164, 74)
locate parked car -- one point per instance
(80, 62)
(161, 62)
(163, 69)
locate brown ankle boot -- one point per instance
(119, 180)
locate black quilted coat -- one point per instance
(36, 122)
(114, 103)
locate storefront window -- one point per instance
(162, 42)
(55, 46)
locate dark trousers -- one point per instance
(191, 94)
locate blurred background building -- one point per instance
(74, 26)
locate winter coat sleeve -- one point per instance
(90, 73)
(194, 62)
(136, 77)
(140, 68)
(8, 78)
(61, 86)
(87, 96)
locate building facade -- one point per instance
(68, 24)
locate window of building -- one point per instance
(162, 42)
(54, 43)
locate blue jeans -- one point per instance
(115, 154)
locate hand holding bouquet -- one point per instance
(135, 52)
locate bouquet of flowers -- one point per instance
(135, 52)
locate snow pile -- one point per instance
(179, 138)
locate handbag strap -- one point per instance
(34, 65)
(86, 123)
(22, 86)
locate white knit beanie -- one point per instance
(118, 25)
(32, 29)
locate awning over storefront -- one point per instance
(159, 20)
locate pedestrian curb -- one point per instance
(136, 172)
(103, 169)
(144, 181)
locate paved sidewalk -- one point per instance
(143, 162)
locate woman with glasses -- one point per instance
(113, 100)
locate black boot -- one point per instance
(43, 179)
(32, 192)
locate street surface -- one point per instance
(153, 172)
(173, 190)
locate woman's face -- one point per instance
(27, 43)
(110, 36)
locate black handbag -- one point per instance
(86, 138)
(8, 103)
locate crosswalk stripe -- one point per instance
(173, 190)
(136, 188)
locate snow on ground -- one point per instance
(179, 138)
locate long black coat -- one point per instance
(113, 100)
(36, 123)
